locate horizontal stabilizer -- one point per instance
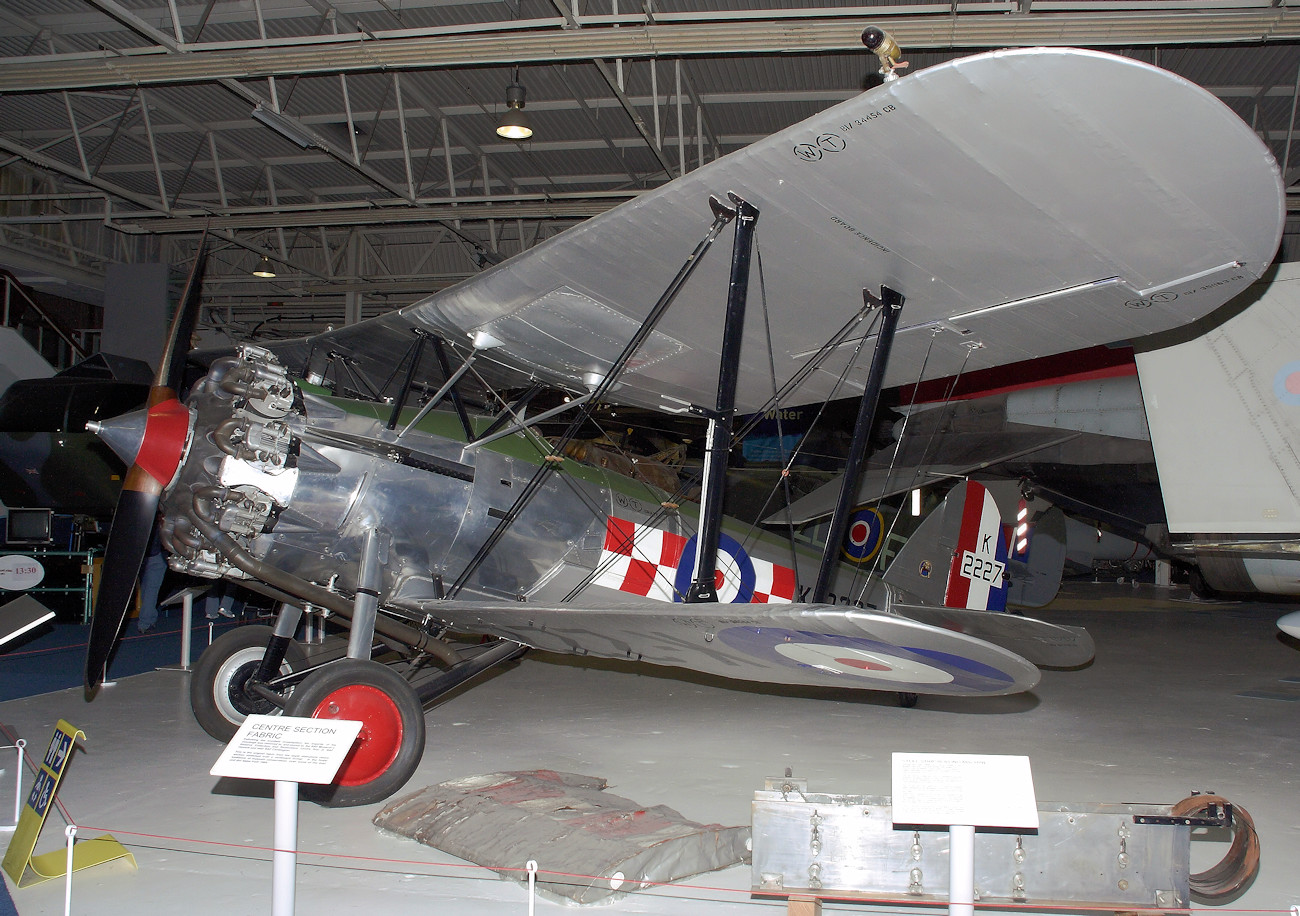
(880, 483)
(797, 644)
(1048, 645)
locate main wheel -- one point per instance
(391, 742)
(217, 684)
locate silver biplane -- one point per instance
(984, 211)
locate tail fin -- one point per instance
(945, 560)
(958, 555)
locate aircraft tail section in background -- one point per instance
(19, 359)
(1224, 414)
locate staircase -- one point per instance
(58, 345)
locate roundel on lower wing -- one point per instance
(855, 661)
(734, 578)
(864, 537)
(861, 663)
(1286, 384)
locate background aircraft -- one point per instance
(422, 529)
(65, 477)
(1223, 403)
(47, 458)
(1137, 442)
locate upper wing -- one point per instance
(1029, 201)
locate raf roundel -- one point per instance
(862, 663)
(734, 577)
(864, 537)
(1286, 384)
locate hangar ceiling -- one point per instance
(353, 141)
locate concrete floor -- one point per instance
(1181, 696)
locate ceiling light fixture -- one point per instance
(264, 269)
(289, 128)
(515, 124)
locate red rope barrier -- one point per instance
(762, 896)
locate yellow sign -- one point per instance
(19, 863)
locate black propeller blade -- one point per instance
(152, 467)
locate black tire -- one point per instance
(391, 742)
(907, 700)
(1200, 588)
(216, 685)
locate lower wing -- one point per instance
(796, 644)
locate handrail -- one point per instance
(12, 284)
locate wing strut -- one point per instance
(417, 348)
(453, 394)
(892, 302)
(482, 341)
(512, 412)
(501, 433)
(721, 216)
(703, 585)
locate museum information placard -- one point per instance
(288, 749)
(976, 790)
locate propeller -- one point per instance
(152, 441)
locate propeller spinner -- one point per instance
(154, 442)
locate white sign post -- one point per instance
(962, 792)
(289, 751)
(186, 598)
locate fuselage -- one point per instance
(298, 479)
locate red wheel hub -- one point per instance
(381, 730)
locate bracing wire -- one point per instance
(947, 400)
(780, 429)
(839, 382)
(893, 461)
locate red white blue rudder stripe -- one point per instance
(957, 557)
(977, 575)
